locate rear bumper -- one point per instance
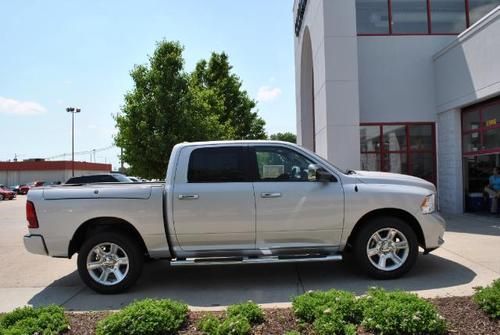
(35, 244)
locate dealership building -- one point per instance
(405, 86)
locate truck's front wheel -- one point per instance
(386, 247)
(110, 262)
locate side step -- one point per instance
(254, 260)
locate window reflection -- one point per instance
(409, 16)
(372, 17)
(448, 16)
(479, 8)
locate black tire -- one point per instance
(128, 245)
(1, 196)
(363, 237)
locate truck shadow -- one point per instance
(207, 286)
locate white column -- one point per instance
(449, 153)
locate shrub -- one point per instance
(233, 325)
(249, 310)
(488, 299)
(400, 313)
(311, 305)
(49, 320)
(145, 317)
(292, 332)
(333, 323)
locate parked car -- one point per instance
(99, 178)
(6, 193)
(137, 179)
(23, 189)
(15, 188)
(38, 183)
(237, 202)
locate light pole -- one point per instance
(73, 110)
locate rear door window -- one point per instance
(218, 165)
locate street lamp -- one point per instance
(73, 110)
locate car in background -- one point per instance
(23, 189)
(6, 193)
(99, 178)
(15, 188)
(137, 179)
(38, 183)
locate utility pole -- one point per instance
(73, 110)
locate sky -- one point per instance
(56, 54)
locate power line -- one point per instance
(79, 153)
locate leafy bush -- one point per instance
(48, 320)
(400, 313)
(311, 305)
(209, 324)
(292, 332)
(145, 317)
(249, 310)
(488, 299)
(333, 324)
(233, 325)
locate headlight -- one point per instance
(429, 204)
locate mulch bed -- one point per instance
(461, 313)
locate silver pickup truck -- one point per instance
(237, 202)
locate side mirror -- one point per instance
(317, 173)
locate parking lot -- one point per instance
(469, 258)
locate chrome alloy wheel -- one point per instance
(387, 249)
(107, 264)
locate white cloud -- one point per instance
(11, 106)
(267, 93)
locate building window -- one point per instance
(409, 16)
(447, 16)
(479, 8)
(419, 17)
(407, 148)
(372, 17)
(481, 128)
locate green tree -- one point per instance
(168, 105)
(219, 90)
(287, 137)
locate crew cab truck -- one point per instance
(237, 202)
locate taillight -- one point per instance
(31, 215)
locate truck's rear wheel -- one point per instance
(386, 247)
(110, 262)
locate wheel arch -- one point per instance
(388, 212)
(103, 224)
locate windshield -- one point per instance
(325, 160)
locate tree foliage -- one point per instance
(286, 136)
(167, 106)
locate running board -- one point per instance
(253, 260)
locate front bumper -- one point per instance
(35, 244)
(433, 226)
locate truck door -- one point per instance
(293, 212)
(213, 199)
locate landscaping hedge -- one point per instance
(49, 320)
(488, 299)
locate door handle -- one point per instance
(188, 196)
(270, 195)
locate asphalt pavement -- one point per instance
(469, 258)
